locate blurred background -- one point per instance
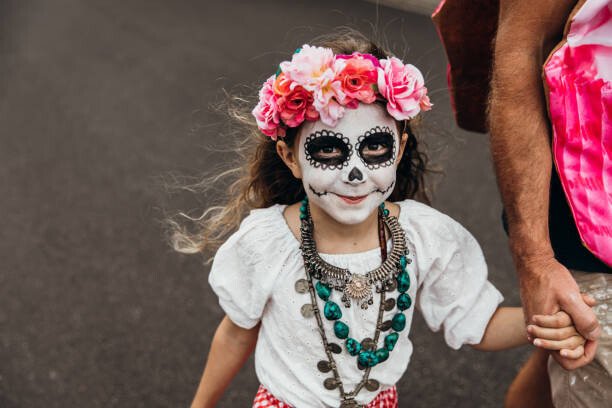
(99, 101)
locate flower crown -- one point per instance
(316, 84)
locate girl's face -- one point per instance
(349, 170)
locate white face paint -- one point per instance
(349, 170)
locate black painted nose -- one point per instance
(355, 174)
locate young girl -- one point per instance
(322, 278)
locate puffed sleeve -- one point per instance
(454, 293)
(240, 275)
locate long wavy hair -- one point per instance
(259, 178)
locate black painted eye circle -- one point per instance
(327, 149)
(376, 147)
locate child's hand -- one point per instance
(557, 332)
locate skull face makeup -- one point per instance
(349, 170)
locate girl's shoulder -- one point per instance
(263, 230)
(413, 212)
(424, 223)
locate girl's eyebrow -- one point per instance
(325, 132)
(377, 129)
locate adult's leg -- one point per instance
(531, 387)
(589, 386)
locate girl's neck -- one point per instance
(334, 237)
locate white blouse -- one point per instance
(255, 270)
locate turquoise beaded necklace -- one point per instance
(323, 278)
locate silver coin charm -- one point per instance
(334, 348)
(372, 385)
(386, 325)
(330, 383)
(368, 344)
(349, 404)
(324, 366)
(301, 286)
(307, 310)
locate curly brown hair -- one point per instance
(261, 178)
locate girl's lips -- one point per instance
(352, 200)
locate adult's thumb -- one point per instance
(583, 316)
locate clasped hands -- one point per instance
(559, 318)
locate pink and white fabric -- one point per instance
(385, 399)
(578, 75)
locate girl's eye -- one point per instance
(328, 150)
(377, 148)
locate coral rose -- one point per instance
(294, 102)
(358, 76)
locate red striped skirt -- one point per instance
(385, 399)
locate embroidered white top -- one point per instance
(255, 270)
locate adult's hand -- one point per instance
(547, 287)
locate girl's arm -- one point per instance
(230, 348)
(505, 330)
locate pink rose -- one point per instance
(358, 76)
(403, 88)
(267, 113)
(309, 66)
(329, 99)
(369, 57)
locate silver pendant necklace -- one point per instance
(354, 287)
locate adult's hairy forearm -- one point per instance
(521, 150)
(519, 126)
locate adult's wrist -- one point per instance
(529, 248)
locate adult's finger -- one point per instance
(588, 299)
(582, 315)
(590, 347)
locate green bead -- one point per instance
(386, 212)
(391, 340)
(403, 282)
(403, 301)
(403, 262)
(332, 310)
(323, 290)
(353, 346)
(303, 216)
(367, 358)
(382, 354)
(303, 209)
(341, 330)
(382, 205)
(398, 323)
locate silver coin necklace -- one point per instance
(322, 278)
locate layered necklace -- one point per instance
(322, 278)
